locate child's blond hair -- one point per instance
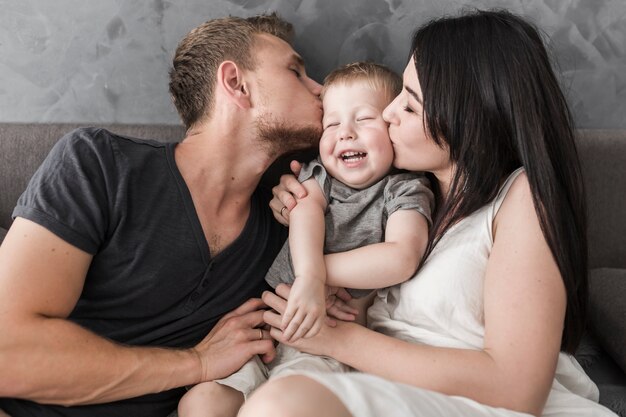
(379, 77)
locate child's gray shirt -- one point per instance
(356, 218)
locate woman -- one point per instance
(488, 324)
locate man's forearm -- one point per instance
(55, 361)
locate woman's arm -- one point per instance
(524, 313)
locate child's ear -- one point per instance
(231, 81)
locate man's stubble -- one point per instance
(277, 137)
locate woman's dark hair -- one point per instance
(491, 97)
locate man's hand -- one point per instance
(235, 339)
(285, 194)
(306, 309)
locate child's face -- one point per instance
(355, 146)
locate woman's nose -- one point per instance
(388, 112)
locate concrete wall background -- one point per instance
(106, 61)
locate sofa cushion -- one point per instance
(607, 310)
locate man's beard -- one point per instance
(276, 137)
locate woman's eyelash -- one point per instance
(408, 109)
(296, 72)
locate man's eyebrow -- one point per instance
(414, 94)
(298, 59)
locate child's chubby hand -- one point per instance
(306, 309)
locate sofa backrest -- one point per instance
(23, 148)
(603, 156)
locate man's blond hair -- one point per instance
(379, 78)
(194, 69)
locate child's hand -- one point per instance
(336, 304)
(306, 309)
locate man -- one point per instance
(124, 253)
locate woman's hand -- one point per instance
(284, 201)
(337, 299)
(320, 344)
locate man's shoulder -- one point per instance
(98, 137)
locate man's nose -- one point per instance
(314, 87)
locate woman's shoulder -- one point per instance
(519, 188)
(515, 202)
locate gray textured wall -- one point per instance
(106, 61)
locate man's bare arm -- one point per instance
(48, 359)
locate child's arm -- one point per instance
(382, 264)
(306, 308)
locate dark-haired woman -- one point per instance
(488, 324)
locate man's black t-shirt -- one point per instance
(153, 281)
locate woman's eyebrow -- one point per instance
(414, 94)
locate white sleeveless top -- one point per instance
(442, 305)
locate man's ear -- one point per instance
(231, 81)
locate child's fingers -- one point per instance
(317, 326)
(293, 325)
(306, 325)
(288, 316)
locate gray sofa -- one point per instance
(603, 154)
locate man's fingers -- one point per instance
(249, 320)
(258, 334)
(277, 208)
(250, 305)
(285, 199)
(264, 347)
(292, 186)
(269, 356)
(295, 167)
